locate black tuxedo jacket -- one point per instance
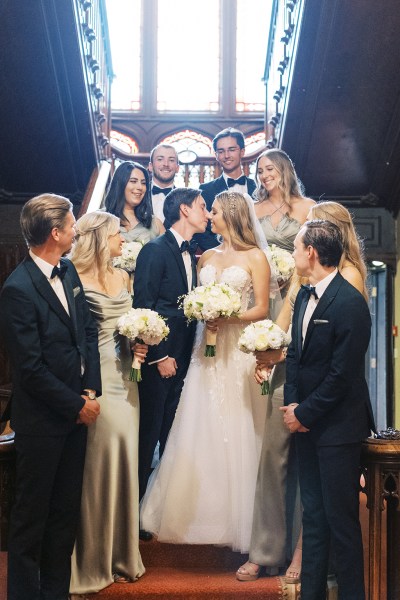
(326, 375)
(209, 190)
(46, 348)
(160, 279)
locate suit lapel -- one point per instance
(173, 246)
(327, 297)
(302, 310)
(69, 293)
(251, 186)
(46, 291)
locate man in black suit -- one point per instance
(328, 406)
(166, 270)
(229, 150)
(163, 166)
(53, 348)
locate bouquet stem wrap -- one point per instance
(136, 373)
(211, 343)
(265, 387)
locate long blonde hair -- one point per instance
(236, 214)
(90, 251)
(289, 185)
(353, 247)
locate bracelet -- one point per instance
(284, 353)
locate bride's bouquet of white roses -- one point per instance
(281, 262)
(208, 302)
(143, 326)
(127, 260)
(263, 335)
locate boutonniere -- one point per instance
(76, 290)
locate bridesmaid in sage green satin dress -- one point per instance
(281, 209)
(107, 544)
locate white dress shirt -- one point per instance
(320, 288)
(187, 259)
(55, 283)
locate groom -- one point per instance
(329, 410)
(166, 270)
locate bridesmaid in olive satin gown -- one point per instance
(107, 544)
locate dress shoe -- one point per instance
(144, 535)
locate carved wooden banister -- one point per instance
(282, 48)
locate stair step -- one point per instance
(156, 554)
(168, 583)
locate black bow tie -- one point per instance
(310, 289)
(190, 247)
(60, 272)
(157, 190)
(240, 181)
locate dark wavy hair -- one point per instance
(327, 240)
(115, 199)
(173, 201)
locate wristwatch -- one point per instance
(91, 394)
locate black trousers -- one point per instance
(45, 515)
(159, 399)
(329, 484)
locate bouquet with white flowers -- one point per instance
(281, 262)
(127, 260)
(263, 335)
(144, 326)
(207, 302)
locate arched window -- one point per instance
(123, 142)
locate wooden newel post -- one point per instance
(381, 469)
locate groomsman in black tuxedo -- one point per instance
(229, 150)
(53, 347)
(328, 408)
(163, 166)
(166, 270)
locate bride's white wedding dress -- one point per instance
(202, 491)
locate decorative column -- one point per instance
(381, 469)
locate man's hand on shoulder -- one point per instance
(89, 412)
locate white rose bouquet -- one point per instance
(127, 260)
(282, 262)
(263, 335)
(207, 302)
(144, 326)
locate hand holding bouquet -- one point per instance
(209, 302)
(127, 260)
(144, 326)
(263, 335)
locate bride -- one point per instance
(202, 491)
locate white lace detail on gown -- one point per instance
(202, 492)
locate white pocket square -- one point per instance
(320, 321)
(76, 290)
